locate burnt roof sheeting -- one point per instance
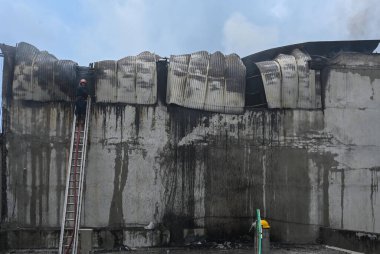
(289, 83)
(271, 75)
(126, 78)
(39, 76)
(208, 82)
(130, 80)
(177, 76)
(215, 83)
(306, 86)
(196, 83)
(146, 78)
(105, 82)
(319, 48)
(235, 85)
(289, 80)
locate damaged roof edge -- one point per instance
(320, 48)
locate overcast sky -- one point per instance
(90, 30)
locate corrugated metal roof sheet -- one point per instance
(289, 83)
(105, 81)
(196, 84)
(214, 100)
(209, 82)
(289, 80)
(271, 75)
(177, 76)
(146, 78)
(235, 84)
(39, 76)
(306, 89)
(126, 80)
(129, 80)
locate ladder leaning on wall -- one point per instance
(68, 241)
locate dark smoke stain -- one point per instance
(342, 186)
(374, 189)
(177, 171)
(121, 174)
(168, 174)
(39, 186)
(33, 196)
(137, 120)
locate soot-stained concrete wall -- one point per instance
(187, 168)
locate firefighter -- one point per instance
(81, 101)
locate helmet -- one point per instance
(83, 81)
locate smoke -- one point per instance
(362, 18)
(244, 37)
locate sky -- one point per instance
(86, 31)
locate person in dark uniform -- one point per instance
(81, 101)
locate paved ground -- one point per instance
(301, 249)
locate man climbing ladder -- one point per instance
(81, 101)
(75, 173)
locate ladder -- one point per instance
(68, 241)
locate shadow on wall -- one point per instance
(1, 85)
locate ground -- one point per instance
(293, 249)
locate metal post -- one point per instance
(259, 233)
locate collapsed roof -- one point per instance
(283, 77)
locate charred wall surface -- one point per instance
(187, 168)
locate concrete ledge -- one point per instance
(29, 239)
(351, 240)
(95, 238)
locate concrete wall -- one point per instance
(187, 168)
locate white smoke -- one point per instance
(361, 18)
(244, 37)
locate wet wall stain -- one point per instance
(374, 189)
(232, 151)
(178, 177)
(121, 174)
(9, 53)
(342, 186)
(32, 165)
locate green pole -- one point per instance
(259, 231)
